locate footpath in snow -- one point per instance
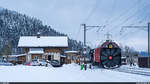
(67, 73)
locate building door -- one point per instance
(73, 59)
(49, 57)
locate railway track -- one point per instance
(139, 71)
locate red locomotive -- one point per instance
(108, 55)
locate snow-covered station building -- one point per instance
(43, 47)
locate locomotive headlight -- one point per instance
(110, 46)
(110, 57)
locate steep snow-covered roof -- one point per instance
(43, 41)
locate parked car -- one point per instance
(55, 63)
(38, 62)
(48, 61)
(5, 63)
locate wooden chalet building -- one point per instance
(43, 47)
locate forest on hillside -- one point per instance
(13, 25)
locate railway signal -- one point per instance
(142, 27)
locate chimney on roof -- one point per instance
(38, 35)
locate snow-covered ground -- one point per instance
(67, 73)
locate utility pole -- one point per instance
(148, 44)
(84, 43)
(84, 35)
(85, 30)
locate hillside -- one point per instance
(13, 25)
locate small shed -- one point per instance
(20, 58)
(72, 57)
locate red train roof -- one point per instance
(107, 43)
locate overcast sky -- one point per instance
(66, 16)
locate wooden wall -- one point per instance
(46, 50)
(57, 50)
(22, 59)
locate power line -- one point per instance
(134, 23)
(130, 18)
(91, 12)
(113, 9)
(107, 20)
(119, 17)
(122, 14)
(143, 27)
(121, 30)
(78, 32)
(134, 27)
(87, 18)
